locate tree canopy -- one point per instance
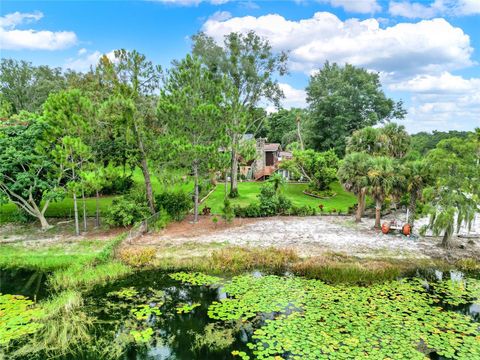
(342, 100)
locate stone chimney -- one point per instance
(261, 160)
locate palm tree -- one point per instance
(277, 181)
(395, 139)
(417, 178)
(353, 175)
(380, 182)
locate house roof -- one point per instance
(272, 147)
(286, 154)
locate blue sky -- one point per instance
(427, 52)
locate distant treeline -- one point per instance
(423, 141)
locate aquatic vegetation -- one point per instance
(65, 328)
(242, 355)
(125, 294)
(18, 317)
(310, 320)
(195, 278)
(456, 292)
(142, 336)
(186, 308)
(144, 312)
(254, 295)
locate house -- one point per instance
(268, 158)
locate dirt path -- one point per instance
(309, 236)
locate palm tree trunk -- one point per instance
(412, 208)
(378, 210)
(359, 213)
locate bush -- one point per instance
(137, 257)
(176, 204)
(127, 210)
(304, 210)
(228, 214)
(118, 184)
(268, 200)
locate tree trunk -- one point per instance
(145, 171)
(234, 175)
(84, 212)
(43, 222)
(299, 134)
(378, 210)
(148, 184)
(226, 184)
(446, 243)
(75, 212)
(359, 213)
(412, 208)
(195, 207)
(97, 210)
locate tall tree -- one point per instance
(454, 199)
(342, 100)
(25, 86)
(28, 177)
(68, 113)
(190, 108)
(134, 81)
(282, 126)
(250, 66)
(380, 182)
(353, 175)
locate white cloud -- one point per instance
(443, 101)
(400, 51)
(293, 97)
(424, 10)
(357, 6)
(438, 84)
(86, 59)
(12, 38)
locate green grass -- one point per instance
(86, 276)
(248, 192)
(64, 208)
(48, 257)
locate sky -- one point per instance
(427, 52)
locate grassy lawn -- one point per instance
(64, 208)
(249, 191)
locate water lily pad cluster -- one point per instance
(18, 317)
(145, 312)
(186, 308)
(196, 278)
(456, 292)
(312, 320)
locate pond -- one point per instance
(157, 315)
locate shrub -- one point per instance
(268, 200)
(127, 210)
(117, 184)
(137, 257)
(228, 214)
(176, 204)
(304, 210)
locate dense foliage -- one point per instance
(342, 100)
